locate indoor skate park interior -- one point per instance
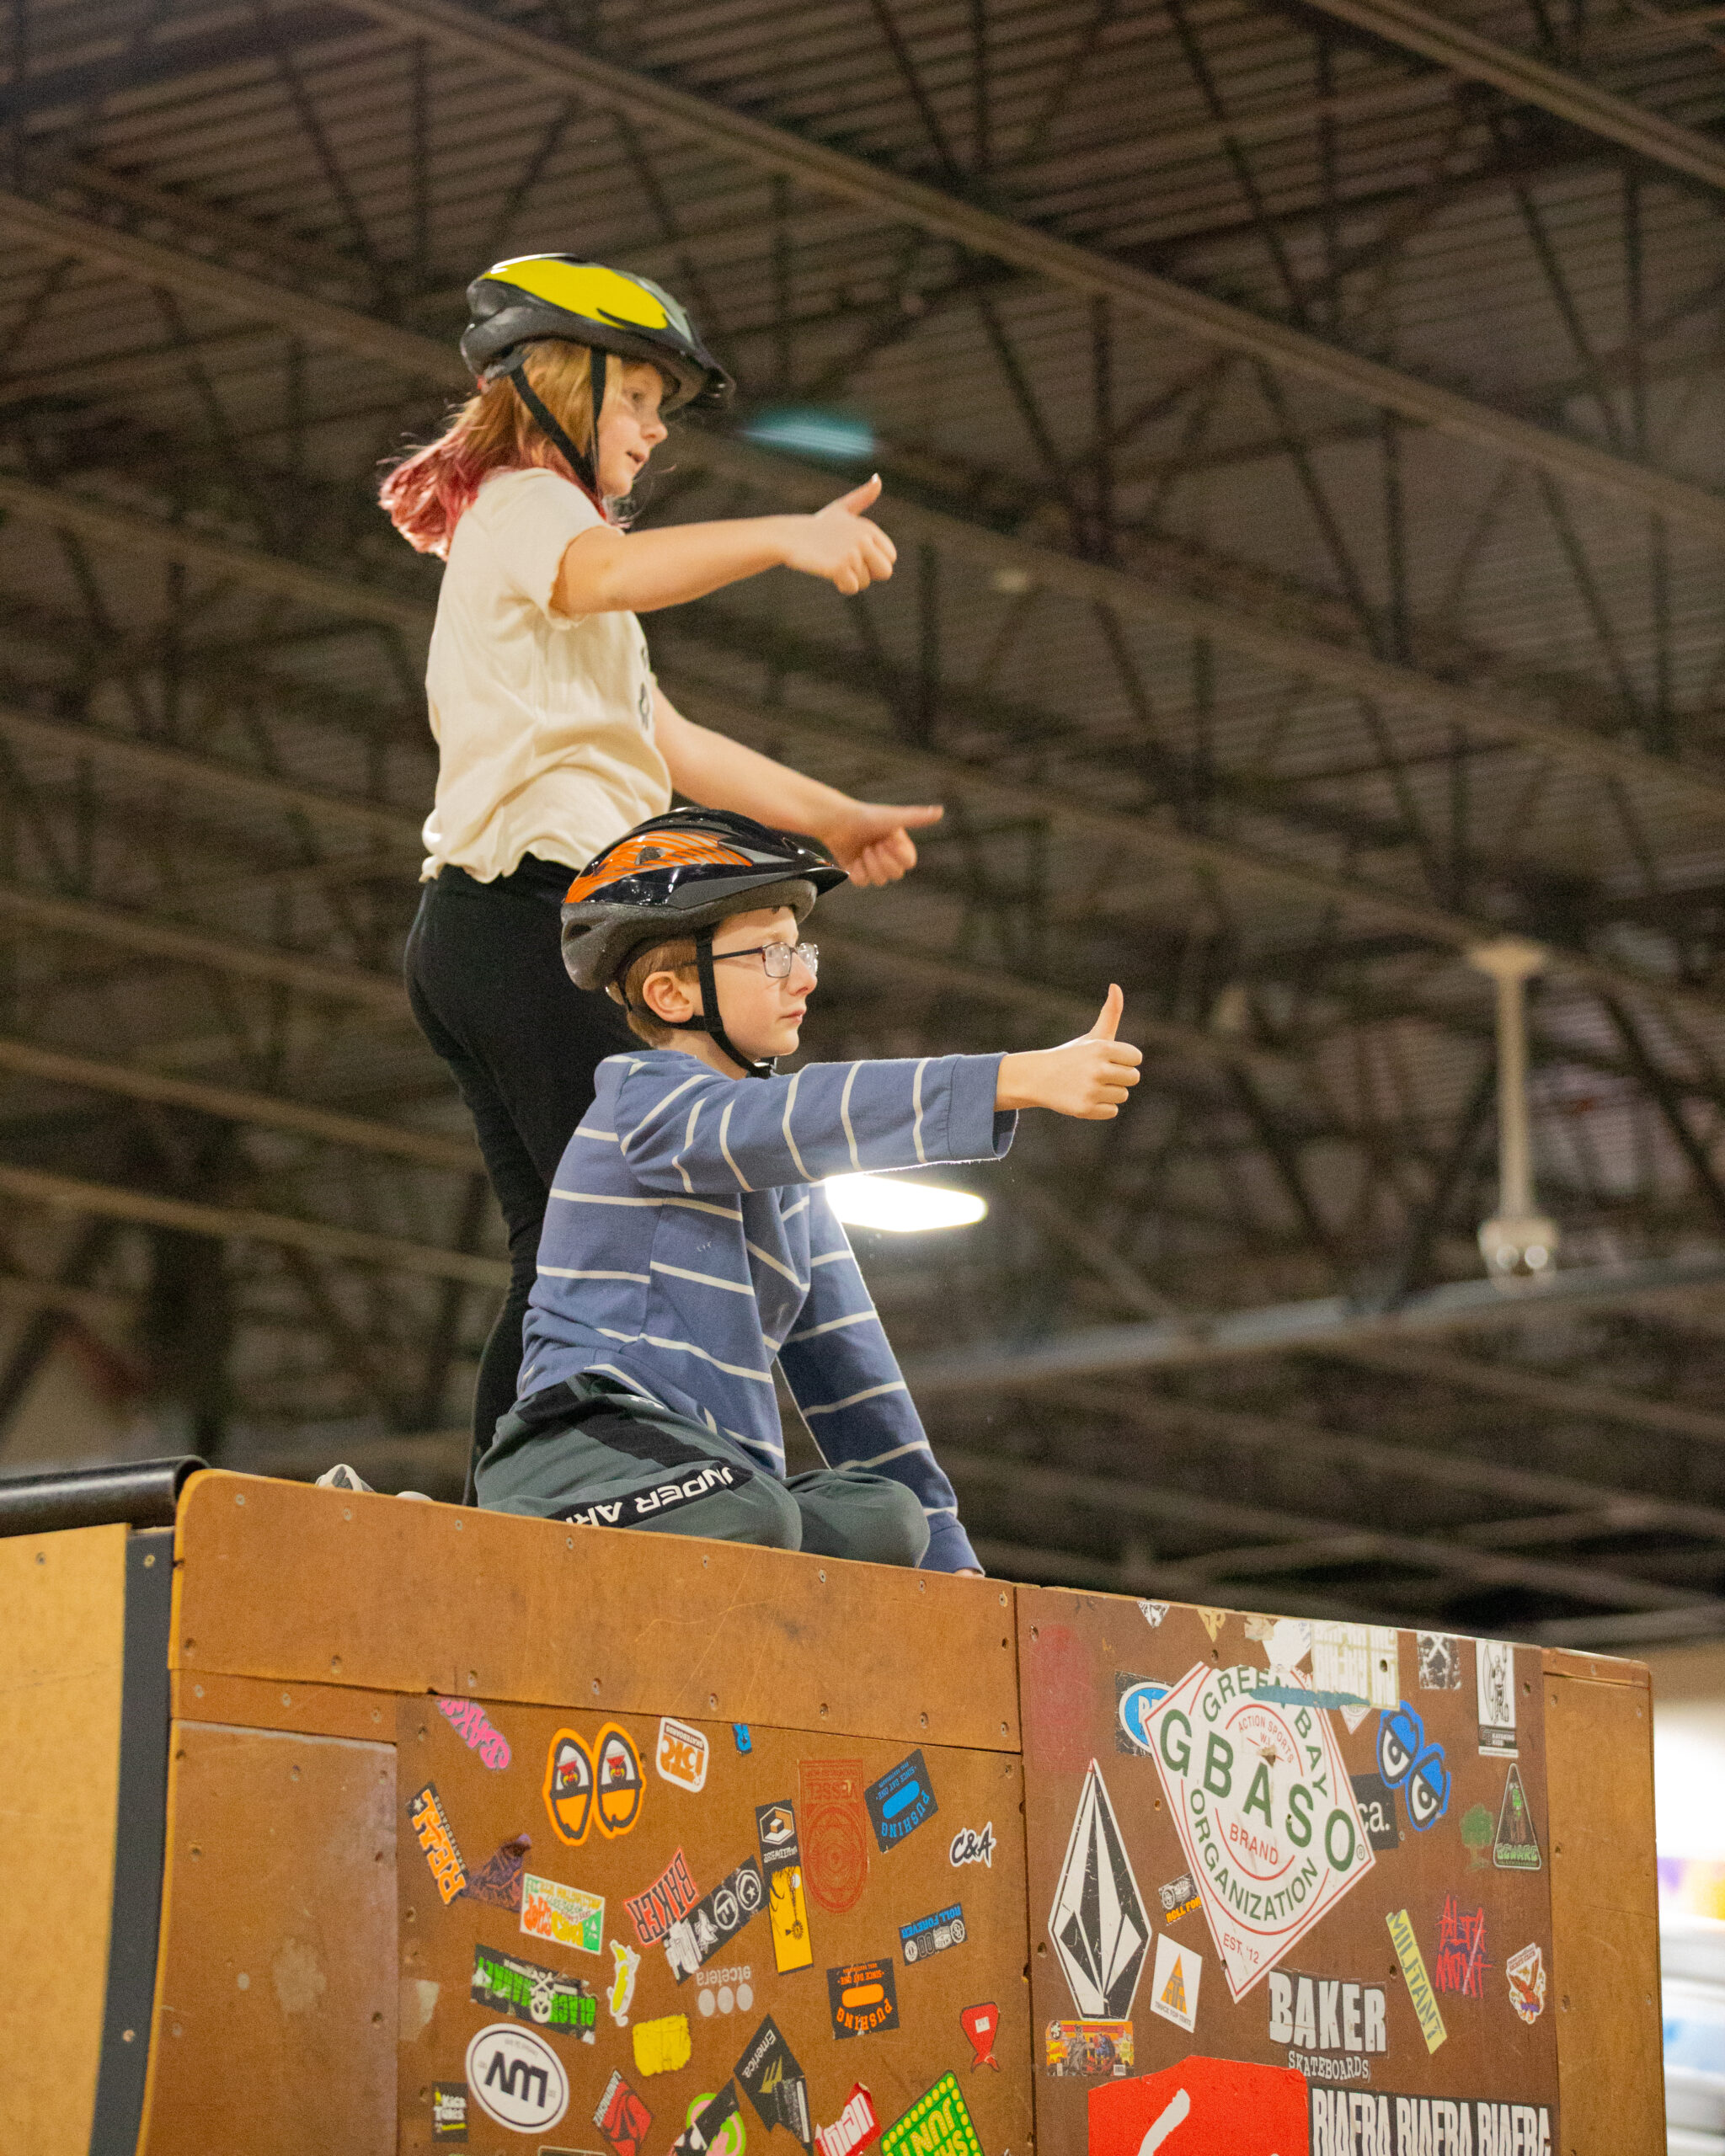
(1298, 424)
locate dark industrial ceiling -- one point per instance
(1304, 435)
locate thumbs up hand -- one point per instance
(1088, 1078)
(841, 543)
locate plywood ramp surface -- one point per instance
(872, 1959)
(312, 1587)
(62, 1618)
(1605, 1907)
(275, 2027)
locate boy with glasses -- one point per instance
(688, 1242)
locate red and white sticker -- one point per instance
(1264, 1809)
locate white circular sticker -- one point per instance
(516, 2079)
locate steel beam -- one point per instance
(266, 1111)
(162, 540)
(1541, 1388)
(1301, 653)
(1317, 1448)
(155, 539)
(1280, 1328)
(1121, 1499)
(175, 768)
(127, 929)
(603, 83)
(239, 1223)
(1497, 716)
(1462, 52)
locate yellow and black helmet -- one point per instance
(537, 296)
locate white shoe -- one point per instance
(419, 1494)
(341, 1476)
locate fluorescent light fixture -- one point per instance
(806, 430)
(901, 1207)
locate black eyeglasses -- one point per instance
(776, 957)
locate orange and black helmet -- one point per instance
(677, 874)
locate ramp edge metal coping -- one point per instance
(139, 1493)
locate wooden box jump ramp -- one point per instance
(347, 1825)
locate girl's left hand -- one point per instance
(874, 844)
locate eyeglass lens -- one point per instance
(777, 958)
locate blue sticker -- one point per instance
(740, 1730)
(933, 1934)
(1135, 1697)
(1418, 1769)
(900, 1800)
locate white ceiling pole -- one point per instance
(1517, 1242)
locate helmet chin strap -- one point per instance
(714, 1030)
(584, 467)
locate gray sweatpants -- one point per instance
(592, 1452)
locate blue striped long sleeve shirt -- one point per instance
(688, 1242)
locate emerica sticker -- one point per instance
(935, 2123)
(431, 1830)
(862, 1996)
(899, 1801)
(933, 1934)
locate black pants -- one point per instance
(591, 1452)
(486, 980)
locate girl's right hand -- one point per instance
(838, 542)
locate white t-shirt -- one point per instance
(543, 722)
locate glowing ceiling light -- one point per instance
(807, 430)
(901, 1207)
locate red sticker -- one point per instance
(981, 2024)
(1199, 2107)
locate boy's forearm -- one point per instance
(604, 571)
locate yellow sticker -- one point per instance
(1419, 1988)
(661, 2047)
(787, 1915)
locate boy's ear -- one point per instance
(668, 996)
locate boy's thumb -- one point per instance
(859, 497)
(1108, 1024)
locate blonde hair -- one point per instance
(429, 490)
(678, 957)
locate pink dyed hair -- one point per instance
(427, 492)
